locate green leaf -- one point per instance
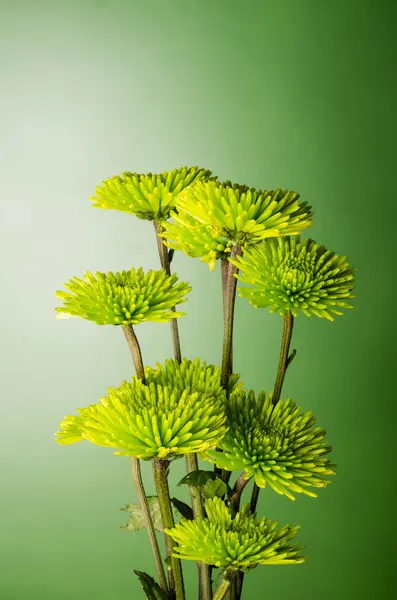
(214, 488)
(184, 509)
(151, 588)
(136, 520)
(197, 478)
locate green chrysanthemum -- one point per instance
(130, 297)
(195, 239)
(291, 276)
(148, 196)
(238, 543)
(192, 376)
(149, 421)
(277, 445)
(242, 215)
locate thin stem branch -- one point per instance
(160, 469)
(205, 588)
(238, 489)
(225, 277)
(254, 497)
(224, 588)
(165, 263)
(133, 344)
(229, 284)
(285, 358)
(137, 478)
(197, 504)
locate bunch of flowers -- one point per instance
(197, 410)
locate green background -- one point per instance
(299, 94)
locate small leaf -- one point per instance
(184, 509)
(214, 488)
(137, 520)
(197, 478)
(151, 588)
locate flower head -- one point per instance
(286, 274)
(277, 445)
(195, 238)
(243, 215)
(238, 543)
(149, 421)
(192, 376)
(129, 297)
(148, 196)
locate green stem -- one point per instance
(165, 263)
(137, 478)
(238, 489)
(224, 588)
(136, 466)
(224, 275)
(133, 344)
(229, 284)
(160, 469)
(285, 358)
(254, 497)
(233, 594)
(205, 588)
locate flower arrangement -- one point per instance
(186, 408)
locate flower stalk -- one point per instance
(224, 588)
(285, 360)
(229, 285)
(165, 263)
(135, 349)
(160, 470)
(205, 587)
(137, 479)
(285, 357)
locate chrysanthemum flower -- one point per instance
(244, 215)
(149, 421)
(195, 239)
(291, 276)
(192, 376)
(130, 297)
(148, 196)
(277, 445)
(238, 543)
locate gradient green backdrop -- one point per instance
(292, 93)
